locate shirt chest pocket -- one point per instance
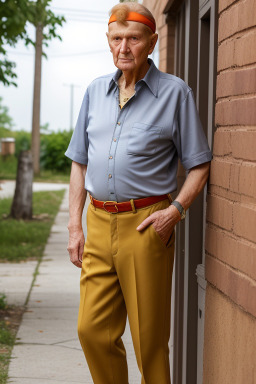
(144, 139)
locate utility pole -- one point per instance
(35, 141)
(72, 86)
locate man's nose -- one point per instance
(124, 46)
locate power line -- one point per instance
(61, 55)
(79, 53)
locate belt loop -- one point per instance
(133, 206)
(91, 198)
(169, 197)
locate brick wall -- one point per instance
(166, 35)
(230, 307)
(231, 210)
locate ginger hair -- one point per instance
(121, 12)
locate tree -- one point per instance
(14, 18)
(14, 15)
(22, 202)
(45, 23)
(5, 120)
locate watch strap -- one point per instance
(180, 209)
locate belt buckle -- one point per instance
(109, 201)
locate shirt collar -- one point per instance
(151, 79)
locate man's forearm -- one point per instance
(77, 195)
(193, 185)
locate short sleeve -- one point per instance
(78, 146)
(188, 135)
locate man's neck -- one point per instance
(128, 79)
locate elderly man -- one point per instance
(132, 128)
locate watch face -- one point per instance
(183, 215)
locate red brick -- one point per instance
(244, 218)
(245, 52)
(225, 58)
(223, 4)
(236, 252)
(238, 287)
(237, 51)
(234, 177)
(163, 53)
(236, 82)
(225, 193)
(243, 179)
(247, 180)
(162, 64)
(220, 173)
(241, 111)
(221, 143)
(243, 144)
(219, 212)
(163, 43)
(237, 18)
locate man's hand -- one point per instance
(76, 246)
(77, 197)
(163, 222)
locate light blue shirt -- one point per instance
(133, 152)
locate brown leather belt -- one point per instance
(126, 206)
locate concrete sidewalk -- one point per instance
(7, 187)
(16, 278)
(47, 349)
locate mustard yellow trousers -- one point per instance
(125, 272)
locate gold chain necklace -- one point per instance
(123, 100)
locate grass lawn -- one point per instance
(53, 177)
(10, 318)
(22, 240)
(8, 169)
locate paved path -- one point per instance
(7, 187)
(16, 278)
(47, 349)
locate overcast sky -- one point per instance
(71, 61)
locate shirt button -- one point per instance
(110, 157)
(109, 176)
(114, 139)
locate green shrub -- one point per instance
(53, 147)
(3, 303)
(8, 167)
(22, 141)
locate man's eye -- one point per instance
(116, 38)
(134, 38)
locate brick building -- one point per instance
(211, 44)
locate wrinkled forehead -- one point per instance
(130, 27)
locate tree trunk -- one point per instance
(22, 202)
(35, 143)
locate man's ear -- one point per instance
(107, 34)
(153, 41)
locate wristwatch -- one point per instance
(180, 209)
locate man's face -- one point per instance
(130, 44)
